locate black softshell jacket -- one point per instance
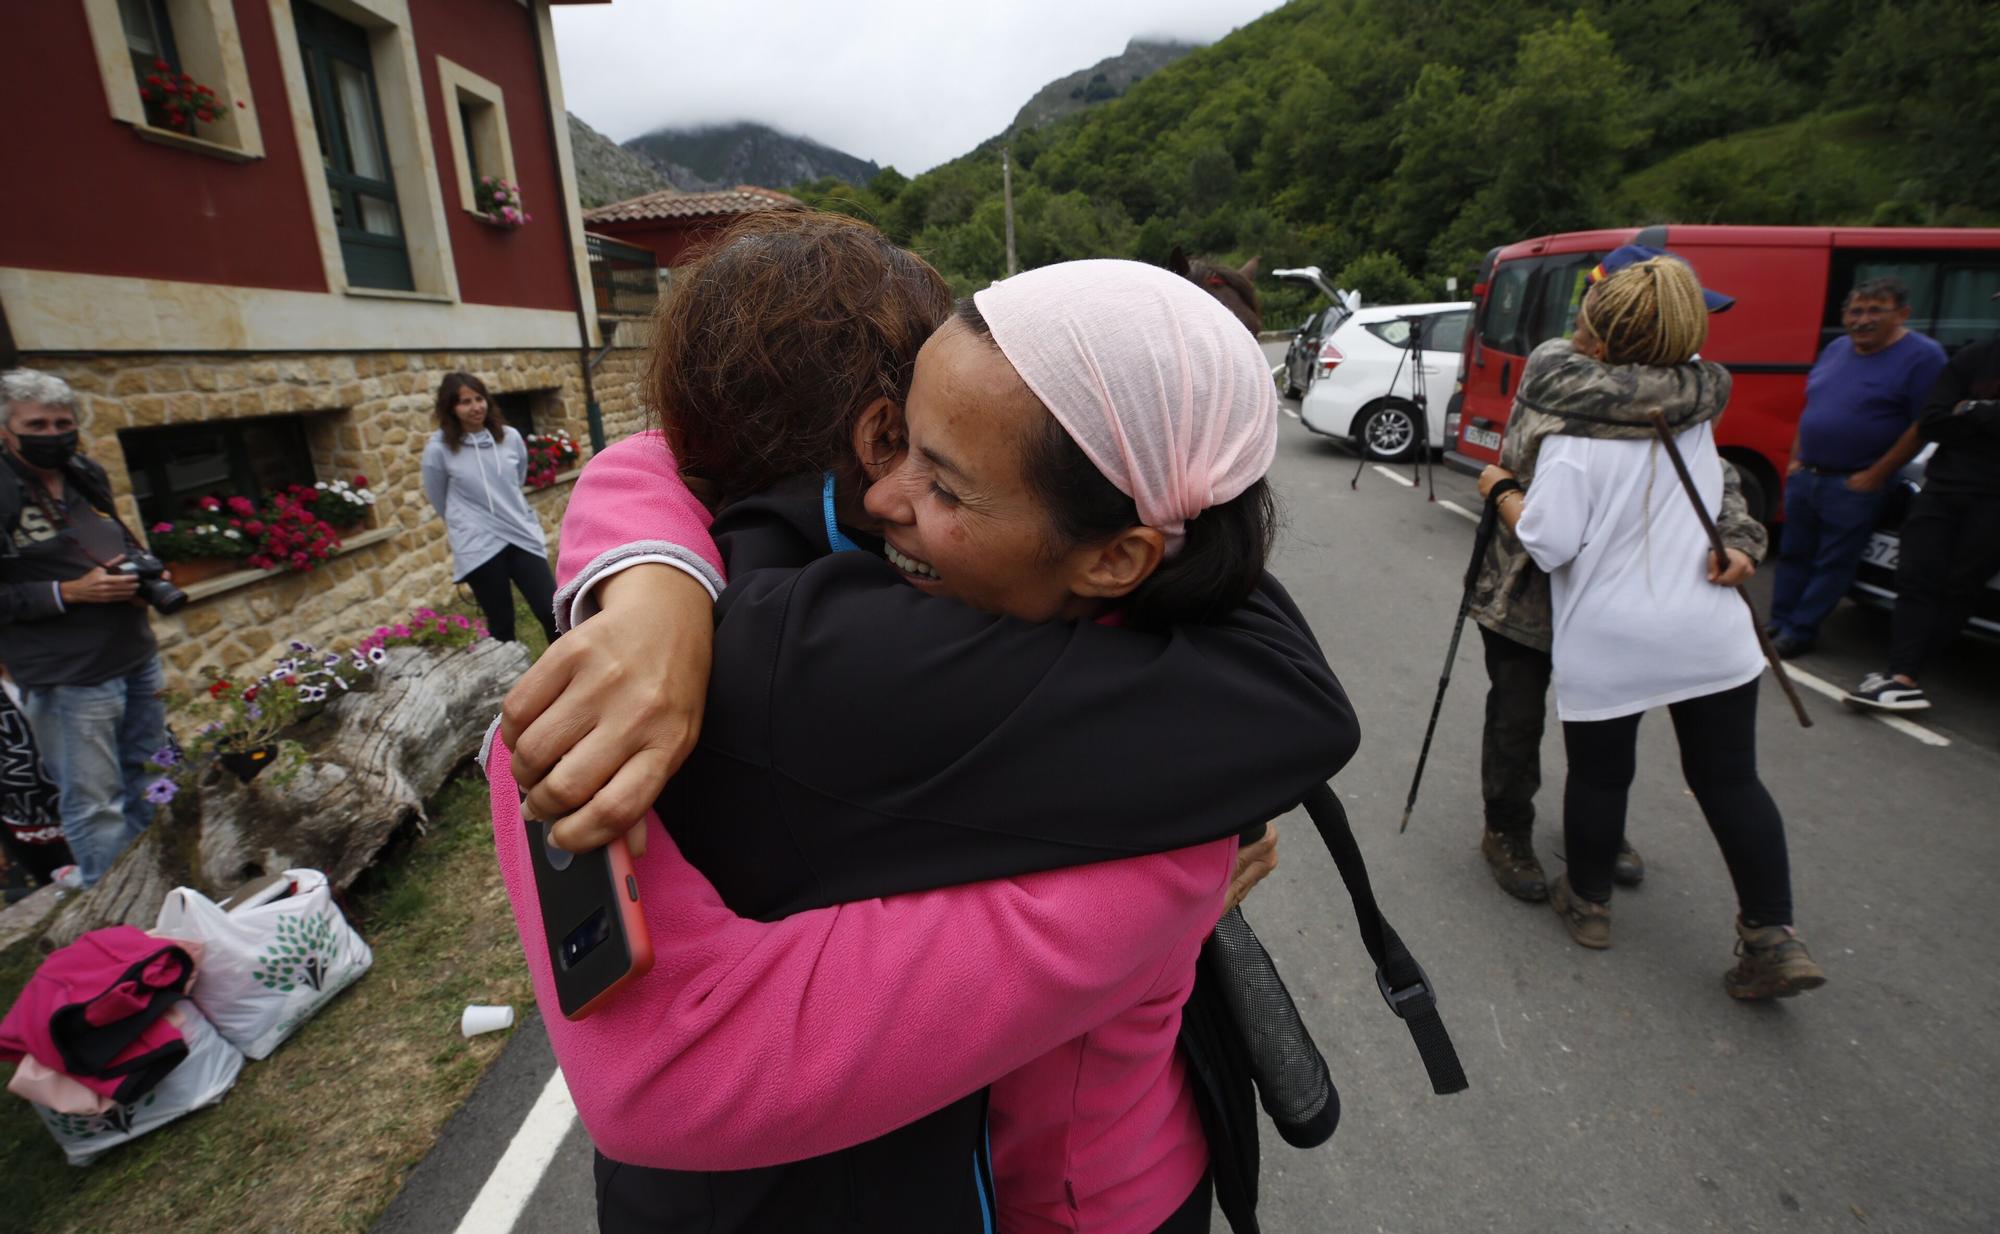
(863, 739)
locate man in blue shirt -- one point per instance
(1858, 428)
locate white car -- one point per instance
(1363, 382)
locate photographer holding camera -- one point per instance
(74, 587)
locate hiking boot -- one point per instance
(1511, 857)
(1588, 924)
(1628, 869)
(1773, 963)
(1881, 692)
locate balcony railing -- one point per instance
(625, 278)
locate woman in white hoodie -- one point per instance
(473, 469)
(1640, 624)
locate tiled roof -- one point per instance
(674, 204)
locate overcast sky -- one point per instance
(911, 83)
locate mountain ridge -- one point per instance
(1102, 82)
(606, 172)
(719, 156)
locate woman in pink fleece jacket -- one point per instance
(754, 1043)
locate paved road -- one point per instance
(1611, 1091)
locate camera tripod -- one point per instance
(1421, 462)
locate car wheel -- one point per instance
(1388, 432)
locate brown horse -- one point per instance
(1234, 287)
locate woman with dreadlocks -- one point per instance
(1640, 623)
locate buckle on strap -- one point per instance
(1411, 1000)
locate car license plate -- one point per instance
(1482, 437)
(1882, 551)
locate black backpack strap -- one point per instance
(1397, 974)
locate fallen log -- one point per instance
(373, 757)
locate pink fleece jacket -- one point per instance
(754, 1043)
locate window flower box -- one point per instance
(498, 202)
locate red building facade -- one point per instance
(265, 287)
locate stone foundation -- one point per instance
(364, 414)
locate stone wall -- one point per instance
(620, 377)
(364, 414)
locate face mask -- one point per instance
(48, 451)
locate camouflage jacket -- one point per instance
(1564, 391)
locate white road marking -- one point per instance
(1288, 411)
(1907, 728)
(1457, 509)
(1403, 480)
(519, 1171)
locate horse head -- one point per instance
(1235, 287)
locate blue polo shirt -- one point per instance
(1856, 406)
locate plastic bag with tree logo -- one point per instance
(272, 961)
(200, 1079)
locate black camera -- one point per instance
(154, 590)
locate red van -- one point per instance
(1788, 282)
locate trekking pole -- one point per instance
(1480, 539)
(1666, 435)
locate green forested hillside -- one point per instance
(1396, 140)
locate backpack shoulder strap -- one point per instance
(1401, 979)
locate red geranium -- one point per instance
(215, 690)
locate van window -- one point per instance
(1966, 312)
(1949, 291)
(1447, 332)
(1506, 296)
(1561, 293)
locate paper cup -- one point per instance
(478, 1019)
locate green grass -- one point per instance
(319, 1136)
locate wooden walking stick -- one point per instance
(1666, 435)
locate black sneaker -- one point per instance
(1790, 647)
(1881, 692)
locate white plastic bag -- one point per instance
(269, 964)
(200, 1079)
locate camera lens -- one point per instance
(163, 596)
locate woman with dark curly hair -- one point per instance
(473, 468)
(893, 874)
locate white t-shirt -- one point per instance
(1637, 623)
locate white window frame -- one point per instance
(211, 51)
(458, 86)
(407, 130)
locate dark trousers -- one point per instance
(1718, 739)
(490, 581)
(1510, 750)
(1192, 1216)
(1950, 546)
(1827, 525)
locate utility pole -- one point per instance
(1007, 193)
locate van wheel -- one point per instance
(1759, 485)
(1388, 432)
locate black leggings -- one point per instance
(1718, 739)
(490, 581)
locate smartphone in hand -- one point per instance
(595, 931)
